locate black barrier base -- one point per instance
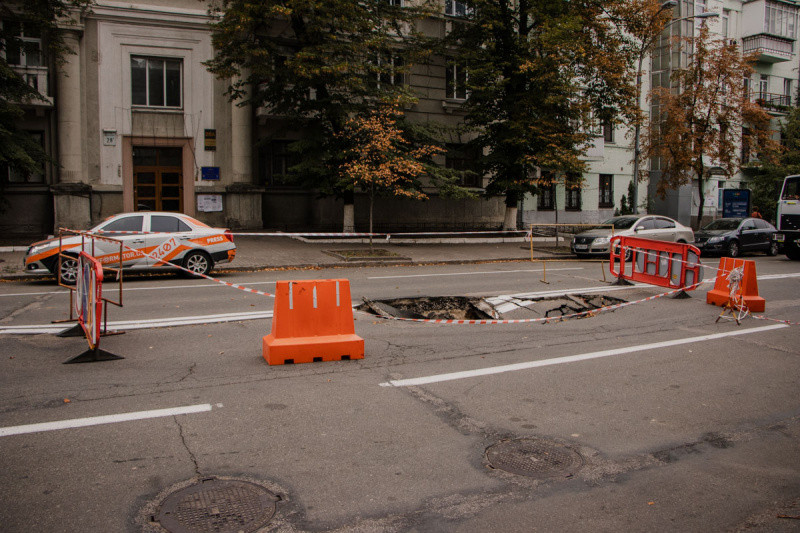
(74, 331)
(622, 281)
(682, 295)
(92, 356)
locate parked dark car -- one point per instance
(735, 236)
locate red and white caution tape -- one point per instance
(158, 260)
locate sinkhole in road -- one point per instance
(474, 308)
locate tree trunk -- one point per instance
(510, 220)
(702, 194)
(349, 222)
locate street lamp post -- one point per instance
(645, 48)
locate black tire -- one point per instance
(67, 270)
(792, 252)
(198, 262)
(772, 251)
(733, 249)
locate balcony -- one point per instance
(774, 104)
(768, 48)
(38, 78)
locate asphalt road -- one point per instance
(681, 423)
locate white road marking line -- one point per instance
(438, 378)
(131, 289)
(473, 273)
(144, 324)
(107, 419)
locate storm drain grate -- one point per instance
(217, 506)
(534, 458)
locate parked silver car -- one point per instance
(596, 241)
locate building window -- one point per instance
(19, 177)
(276, 159)
(572, 190)
(456, 9)
(608, 132)
(780, 20)
(156, 82)
(546, 197)
(390, 71)
(463, 158)
(456, 81)
(25, 48)
(606, 190)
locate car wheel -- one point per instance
(733, 249)
(198, 263)
(773, 249)
(792, 252)
(67, 270)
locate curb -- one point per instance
(343, 264)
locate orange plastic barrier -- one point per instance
(312, 321)
(666, 264)
(720, 294)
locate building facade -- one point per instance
(765, 28)
(136, 122)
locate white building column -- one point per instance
(70, 111)
(243, 198)
(72, 194)
(242, 141)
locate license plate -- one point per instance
(779, 237)
(581, 246)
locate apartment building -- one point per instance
(765, 28)
(136, 122)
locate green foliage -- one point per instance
(540, 73)
(19, 151)
(765, 184)
(315, 63)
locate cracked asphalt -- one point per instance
(683, 436)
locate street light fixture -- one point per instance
(645, 48)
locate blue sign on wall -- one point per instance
(209, 173)
(735, 203)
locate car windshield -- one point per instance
(723, 223)
(620, 222)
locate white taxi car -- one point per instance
(151, 240)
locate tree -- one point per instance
(19, 151)
(381, 160)
(768, 178)
(316, 63)
(706, 117)
(540, 74)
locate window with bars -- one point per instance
(156, 82)
(276, 159)
(572, 194)
(464, 158)
(546, 197)
(606, 189)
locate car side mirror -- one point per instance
(637, 229)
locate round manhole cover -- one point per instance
(534, 458)
(217, 506)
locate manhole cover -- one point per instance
(217, 506)
(534, 458)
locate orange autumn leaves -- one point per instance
(380, 157)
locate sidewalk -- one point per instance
(255, 253)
